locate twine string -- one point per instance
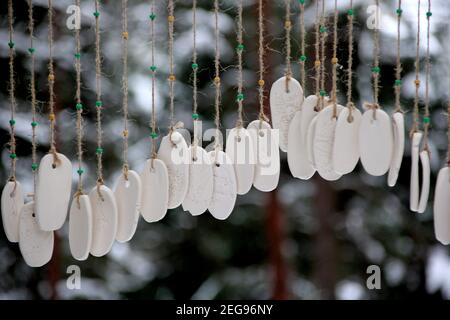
(317, 49)
(374, 106)
(195, 76)
(426, 119)
(217, 84)
(334, 59)
(153, 71)
(350, 104)
(261, 52)
(79, 120)
(240, 121)
(302, 44)
(398, 67)
(11, 91)
(323, 39)
(125, 85)
(288, 28)
(415, 126)
(171, 20)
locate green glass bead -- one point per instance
(96, 14)
(240, 47)
(301, 1)
(194, 66)
(153, 68)
(34, 166)
(12, 155)
(303, 58)
(34, 124)
(98, 103)
(195, 116)
(398, 82)
(429, 14)
(399, 11)
(11, 44)
(79, 106)
(376, 69)
(31, 50)
(426, 120)
(323, 29)
(152, 16)
(153, 135)
(323, 93)
(77, 55)
(240, 97)
(350, 12)
(99, 150)
(80, 171)
(12, 122)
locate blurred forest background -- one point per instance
(306, 240)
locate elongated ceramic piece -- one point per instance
(200, 189)
(53, 188)
(267, 156)
(224, 188)
(297, 155)
(173, 151)
(323, 142)
(414, 183)
(284, 102)
(104, 218)
(441, 206)
(80, 227)
(12, 203)
(399, 147)
(239, 149)
(346, 141)
(128, 198)
(425, 189)
(310, 142)
(155, 190)
(35, 244)
(376, 142)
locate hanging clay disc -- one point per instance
(414, 182)
(104, 218)
(80, 227)
(155, 190)
(441, 206)
(398, 122)
(53, 188)
(12, 203)
(173, 151)
(376, 142)
(128, 198)
(239, 149)
(297, 155)
(285, 100)
(323, 142)
(310, 142)
(35, 244)
(346, 141)
(267, 156)
(425, 189)
(200, 188)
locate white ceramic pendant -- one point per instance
(323, 142)
(399, 147)
(155, 190)
(239, 149)
(310, 142)
(441, 206)
(80, 227)
(267, 156)
(285, 100)
(376, 142)
(224, 185)
(425, 189)
(414, 182)
(297, 155)
(200, 189)
(173, 151)
(35, 244)
(128, 198)
(346, 141)
(12, 203)
(104, 218)
(53, 188)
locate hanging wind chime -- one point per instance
(104, 206)
(80, 214)
(200, 188)
(154, 177)
(265, 140)
(239, 142)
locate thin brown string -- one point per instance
(317, 49)
(261, 52)
(240, 121)
(334, 60)
(426, 125)
(153, 71)
(51, 84)
(323, 40)
(195, 75)
(79, 121)
(350, 104)
(376, 56)
(12, 90)
(217, 76)
(398, 67)
(32, 94)
(98, 89)
(415, 126)
(171, 20)
(288, 28)
(302, 45)
(125, 85)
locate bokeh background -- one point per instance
(306, 240)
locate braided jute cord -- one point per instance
(11, 91)
(171, 20)
(152, 124)
(217, 143)
(415, 126)
(195, 141)
(288, 27)
(317, 50)
(323, 40)
(302, 59)
(334, 60)
(426, 115)
(398, 67)
(261, 52)
(350, 104)
(125, 132)
(239, 36)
